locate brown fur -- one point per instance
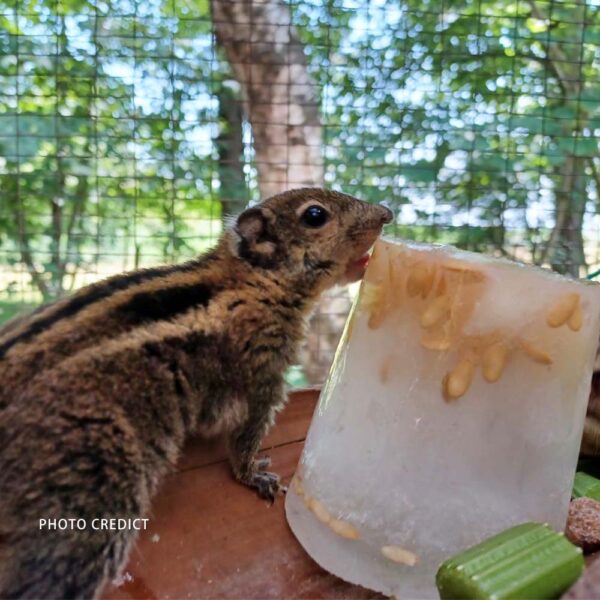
(590, 444)
(100, 390)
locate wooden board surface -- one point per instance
(209, 537)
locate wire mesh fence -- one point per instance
(128, 129)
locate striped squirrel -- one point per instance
(100, 389)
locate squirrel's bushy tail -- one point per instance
(60, 564)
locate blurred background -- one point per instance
(130, 128)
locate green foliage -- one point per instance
(466, 115)
(110, 155)
(470, 117)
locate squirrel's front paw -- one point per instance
(266, 484)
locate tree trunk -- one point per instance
(279, 96)
(230, 146)
(281, 103)
(27, 255)
(56, 234)
(57, 201)
(564, 249)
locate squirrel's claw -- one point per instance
(266, 485)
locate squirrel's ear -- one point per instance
(256, 243)
(250, 224)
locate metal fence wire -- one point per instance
(129, 128)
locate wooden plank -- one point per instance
(209, 537)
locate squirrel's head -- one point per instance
(310, 234)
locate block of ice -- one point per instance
(454, 409)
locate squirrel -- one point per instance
(101, 389)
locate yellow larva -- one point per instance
(561, 312)
(377, 316)
(344, 529)
(427, 282)
(371, 295)
(375, 301)
(432, 342)
(318, 509)
(457, 382)
(420, 278)
(576, 319)
(400, 555)
(537, 354)
(436, 312)
(297, 485)
(493, 361)
(441, 287)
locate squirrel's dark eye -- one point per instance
(314, 216)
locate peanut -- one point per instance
(457, 382)
(560, 313)
(400, 555)
(493, 361)
(576, 319)
(344, 529)
(436, 312)
(536, 354)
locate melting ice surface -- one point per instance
(454, 409)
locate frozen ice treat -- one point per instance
(454, 410)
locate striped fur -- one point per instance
(590, 445)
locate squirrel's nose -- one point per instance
(387, 216)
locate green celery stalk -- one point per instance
(527, 561)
